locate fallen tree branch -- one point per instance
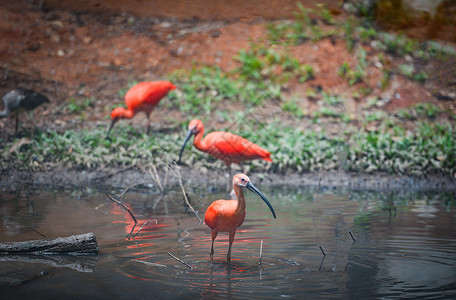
(81, 244)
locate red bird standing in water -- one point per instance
(226, 146)
(228, 215)
(143, 96)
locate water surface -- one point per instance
(405, 245)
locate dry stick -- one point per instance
(156, 177)
(322, 251)
(352, 236)
(124, 206)
(37, 232)
(180, 260)
(321, 264)
(261, 252)
(179, 178)
(140, 228)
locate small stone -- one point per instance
(87, 40)
(165, 24)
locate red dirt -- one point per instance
(94, 48)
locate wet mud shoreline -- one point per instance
(191, 177)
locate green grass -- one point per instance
(263, 70)
(78, 106)
(430, 148)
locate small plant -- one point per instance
(349, 28)
(420, 76)
(406, 70)
(367, 34)
(293, 107)
(77, 107)
(323, 12)
(385, 79)
(331, 99)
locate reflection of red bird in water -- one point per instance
(142, 97)
(226, 146)
(228, 215)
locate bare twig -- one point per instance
(179, 179)
(261, 252)
(180, 260)
(37, 232)
(99, 206)
(154, 175)
(322, 251)
(352, 236)
(124, 206)
(321, 264)
(142, 226)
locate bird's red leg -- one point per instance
(228, 256)
(214, 235)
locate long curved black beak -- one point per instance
(189, 135)
(252, 188)
(113, 122)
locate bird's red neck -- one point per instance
(198, 141)
(122, 113)
(240, 197)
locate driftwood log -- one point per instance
(82, 244)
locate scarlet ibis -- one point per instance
(226, 146)
(143, 96)
(228, 215)
(22, 99)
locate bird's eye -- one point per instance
(242, 179)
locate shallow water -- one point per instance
(405, 245)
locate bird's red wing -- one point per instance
(146, 93)
(210, 217)
(236, 148)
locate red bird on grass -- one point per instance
(228, 215)
(143, 96)
(226, 146)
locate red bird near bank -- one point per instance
(226, 146)
(143, 96)
(228, 215)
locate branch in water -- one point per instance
(76, 244)
(180, 260)
(140, 228)
(261, 252)
(322, 251)
(352, 236)
(124, 206)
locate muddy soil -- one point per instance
(73, 50)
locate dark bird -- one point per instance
(22, 99)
